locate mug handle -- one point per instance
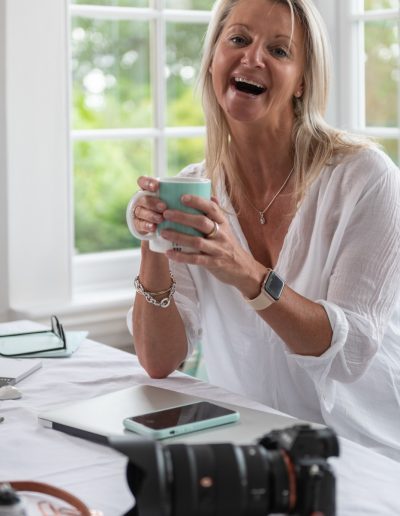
(130, 216)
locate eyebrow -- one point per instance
(285, 36)
(238, 25)
(291, 39)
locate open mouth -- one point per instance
(247, 86)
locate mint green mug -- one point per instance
(170, 191)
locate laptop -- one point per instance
(99, 418)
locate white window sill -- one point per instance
(101, 312)
(83, 302)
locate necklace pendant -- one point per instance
(262, 218)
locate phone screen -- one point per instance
(185, 414)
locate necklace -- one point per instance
(261, 213)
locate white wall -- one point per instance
(3, 177)
(38, 158)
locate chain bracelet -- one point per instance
(165, 302)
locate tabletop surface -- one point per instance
(367, 483)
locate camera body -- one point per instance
(285, 471)
(310, 479)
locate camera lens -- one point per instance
(285, 472)
(220, 479)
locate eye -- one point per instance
(238, 40)
(280, 52)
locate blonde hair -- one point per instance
(315, 143)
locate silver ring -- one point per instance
(213, 233)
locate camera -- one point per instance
(285, 471)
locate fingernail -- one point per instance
(161, 206)
(150, 226)
(186, 198)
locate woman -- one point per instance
(294, 289)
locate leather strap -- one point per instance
(56, 492)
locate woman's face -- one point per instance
(258, 63)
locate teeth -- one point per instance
(241, 79)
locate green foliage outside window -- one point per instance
(105, 178)
(381, 73)
(375, 5)
(112, 90)
(111, 74)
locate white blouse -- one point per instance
(342, 250)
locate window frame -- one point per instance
(351, 18)
(91, 269)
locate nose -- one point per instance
(253, 55)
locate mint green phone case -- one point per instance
(180, 429)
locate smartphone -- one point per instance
(180, 420)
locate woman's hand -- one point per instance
(221, 254)
(148, 211)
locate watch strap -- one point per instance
(263, 300)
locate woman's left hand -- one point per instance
(218, 251)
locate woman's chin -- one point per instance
(245, 117)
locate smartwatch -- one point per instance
(271, 291)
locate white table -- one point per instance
(367, 483)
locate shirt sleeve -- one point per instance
(187, 303)
(363, 287)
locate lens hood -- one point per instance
(145, 473)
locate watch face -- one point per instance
(274, 286)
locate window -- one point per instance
(373, 71)
(134, 64)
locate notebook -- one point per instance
(13, 370)
(99, 418)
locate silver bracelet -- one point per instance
(165, 302)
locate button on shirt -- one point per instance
(342, 250)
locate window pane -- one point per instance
(183, 152)
(119, 3)
(184, 42)
(371, 5)
(382, 73)
(111, 74)
(105, 180)
(201, 5)
(391, 147)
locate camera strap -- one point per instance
(55, 492)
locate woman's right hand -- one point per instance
(148, 211)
